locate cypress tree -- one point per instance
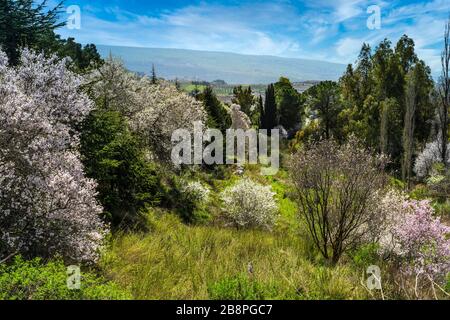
(270, 109)
(261, 112)
(154, 78)
(218, 116)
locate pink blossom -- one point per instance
(424, 247)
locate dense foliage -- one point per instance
(218, 115)
(113, 157)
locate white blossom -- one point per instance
(250, 205)
(430, 155)
(47, 206)
(154, 111)
(196, 191)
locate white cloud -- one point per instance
(331, 30)
(348, 48)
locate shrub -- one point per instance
(415, 244)
(424, 247)
(218, 115)
(47, 205)
(337, 189)
(113, 157)
(248, 204)
(196, 192)
(439, 182)
(36, 280)
(188, 199)
(194, 197)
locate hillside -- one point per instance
(231, 67)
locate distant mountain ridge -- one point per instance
(231, 67)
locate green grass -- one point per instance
(40, 280)
(176, 261)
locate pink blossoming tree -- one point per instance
(424, 247)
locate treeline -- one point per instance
(23, 23)
(388, 99)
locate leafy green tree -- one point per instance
(243, 96)
(349, 87)
(405, 51)
(289, 104)
(218, 117)
(376, 102)
(112, 156)
(418, 114)
(269, 119)
(195, 93)
(323, 102)
(154, 77)
(261, 112)
(22, 23)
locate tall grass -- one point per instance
(176, 261)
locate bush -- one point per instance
(36, 280)
(337, 190)
(423, 245)
(196, 192)
(112, 156)
(249, 205)
(188, 199)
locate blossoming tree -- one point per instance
(47, 206)
(154, 110)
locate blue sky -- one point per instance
(319, 29)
